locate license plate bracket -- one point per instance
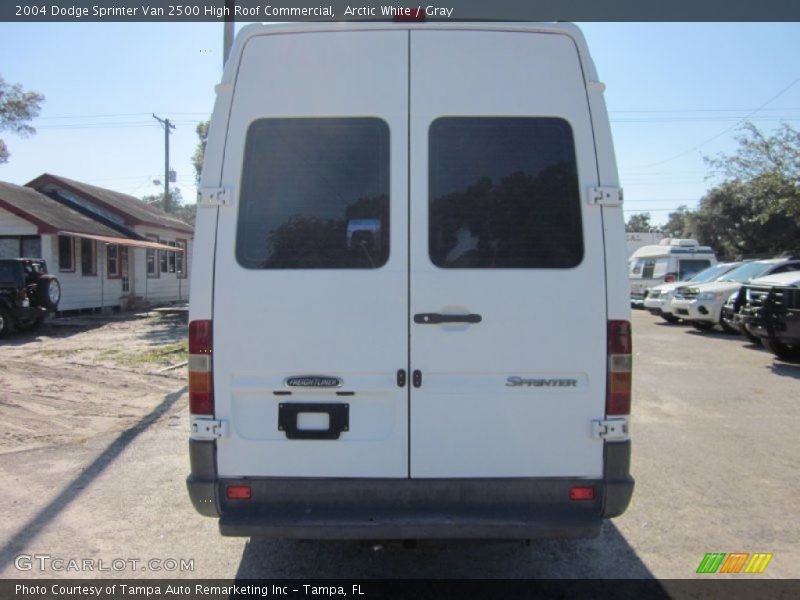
(338, 420)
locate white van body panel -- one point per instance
(467, 429)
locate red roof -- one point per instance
(133, 210)
(48, 215)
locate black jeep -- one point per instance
(27, 294)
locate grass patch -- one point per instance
(58, 353)
(162, 356)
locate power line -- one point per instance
(721, 133)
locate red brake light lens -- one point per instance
(619, 337)
(239, 492)
(201, 379)
(581, 493)
(200, 340)
(620, 380)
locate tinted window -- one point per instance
(709, 274)
(649, 268)
(688, 268)
(315, 194)
(8, 273)
(503, 193)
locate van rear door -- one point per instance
(311, 301)
(508, 339)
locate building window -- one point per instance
(88, 257)
(150, 258)
(180, 259)
(171, 259)
(112, 261)
(66, 254)
(123, 269)
(163, 257)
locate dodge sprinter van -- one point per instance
(399, 226)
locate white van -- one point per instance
(389, 337)
(668, 261)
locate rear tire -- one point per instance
(703, 325)
(780, 349)
(6, 324)
(670, 318)
(48, 292)
(29, 324)
(746, 333)
(728, 327)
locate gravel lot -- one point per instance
(94, 459)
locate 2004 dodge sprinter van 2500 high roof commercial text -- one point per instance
(390, 338)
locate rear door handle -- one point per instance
(436, 318)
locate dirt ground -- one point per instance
(78, 377)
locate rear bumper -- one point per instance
(317, 508)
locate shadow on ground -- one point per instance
(73, 490)
(607, 556)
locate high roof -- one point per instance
(131, 209)
(48, 215)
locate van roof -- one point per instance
(663, 250)
(256, 29)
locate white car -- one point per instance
(702, 304)
(659, 299)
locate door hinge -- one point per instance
(214, 196)
(610, 429)
(605, 196)
(208, 429)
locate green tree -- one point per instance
(640, 222)
(740, 217)
(680, 224)
(200, 151)
(757, 208)
(175, 206)
(17, 107)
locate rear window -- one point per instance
(503, 193)
(315, 194)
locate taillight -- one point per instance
(201, 381)
(670, 278)
(239, 492)
(580, 492)
(618, 395)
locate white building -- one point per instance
(107, 249)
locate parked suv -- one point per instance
(659, 299)
(702, 304)
(27, 294)
(768, 310)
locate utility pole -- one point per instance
(167, 127)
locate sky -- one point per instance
(676, 92)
